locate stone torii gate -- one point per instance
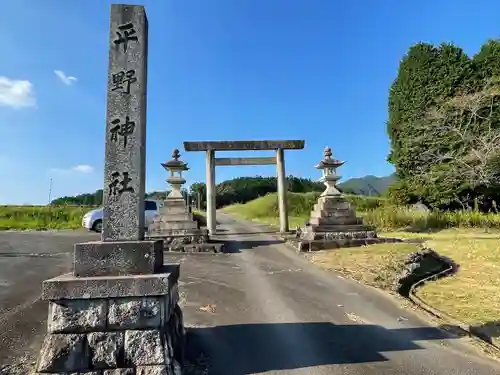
(210, 147)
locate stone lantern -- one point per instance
(329, 175)
(174, 222)
(333, 221)
(175, 167)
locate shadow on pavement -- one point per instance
(258, 348)
(245, 233)
(489, 331)
(237, 246)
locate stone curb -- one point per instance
(442, 316)
(445, 318)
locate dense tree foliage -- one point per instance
(95, 199)
(444, 124)
(89, 199)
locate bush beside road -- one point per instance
(471, 239)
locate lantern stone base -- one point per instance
(315, 245)
(189, 241)
(180, 232)
(334, 224)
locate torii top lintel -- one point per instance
(244, 145)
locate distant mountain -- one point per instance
(368, 185)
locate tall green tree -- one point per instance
(443, 121)
(427, 76)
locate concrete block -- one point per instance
(64, 353)
(120, 371)
(105, 349)
(137, 312)
(76, 316)
(143, 348)
(117, 258)
(154, 370)
(70, 287)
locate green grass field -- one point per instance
(42, 217)
(471, 239)
(375, 211)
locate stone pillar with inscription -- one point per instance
(117, 312)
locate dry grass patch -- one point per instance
(376, 265)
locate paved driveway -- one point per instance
(268, 310)
(26, 259)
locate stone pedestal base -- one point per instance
(113, 325)
(315, 245)
(188, 244)
(334, 224)
(178, 229)
(181, 240)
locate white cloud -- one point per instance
(67, 80)
(16, 93)
(82, 168)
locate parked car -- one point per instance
(93, 220)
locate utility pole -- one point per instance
(50, 190)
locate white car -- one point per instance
(93, 220)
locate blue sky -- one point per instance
(317, 70)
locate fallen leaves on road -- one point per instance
(282, 271)
(355, 318)
(208, 308)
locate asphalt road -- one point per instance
(26, 259)
(262, 309)
(268, 310)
